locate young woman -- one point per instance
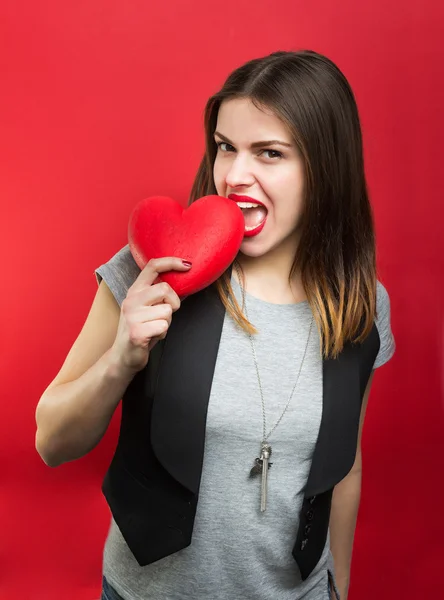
(238, 468)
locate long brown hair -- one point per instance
(336, 253)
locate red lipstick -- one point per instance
(250, 231)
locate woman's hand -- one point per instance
(146, 313)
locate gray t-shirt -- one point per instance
(237, 552)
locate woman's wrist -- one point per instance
(116, 368)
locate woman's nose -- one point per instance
(240, 173)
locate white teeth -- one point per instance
(250, 205)
(247, 205)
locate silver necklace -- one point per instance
(262, 464)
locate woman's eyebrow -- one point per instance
(256, 144)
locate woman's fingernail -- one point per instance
(186, 263)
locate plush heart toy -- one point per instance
(208, 234)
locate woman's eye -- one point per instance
(225, 147)
(270, 154)
(274, 154)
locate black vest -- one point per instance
(152, 484)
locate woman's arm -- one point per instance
(114, 344)
(344, 512)
(74, 411)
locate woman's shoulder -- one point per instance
(383, 325)
(119, 273)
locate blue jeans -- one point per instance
(109, 593)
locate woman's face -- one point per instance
(259, 167)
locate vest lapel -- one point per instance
(183, 387)
(344, 383)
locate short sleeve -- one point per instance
(382, 321)
(119, 273)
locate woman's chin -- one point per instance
(265, 242)
(254, 246)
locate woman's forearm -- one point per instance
(72, 417)
(343, 517)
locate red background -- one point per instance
(101, 106)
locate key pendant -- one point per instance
(265, 455)
(256, 469)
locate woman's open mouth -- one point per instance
(255, 213)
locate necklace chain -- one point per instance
(253, 348)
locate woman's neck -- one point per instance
(267, 278)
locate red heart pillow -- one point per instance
(208, 233)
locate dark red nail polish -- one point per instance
(186, 263)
